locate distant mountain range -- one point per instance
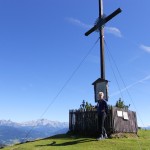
(12, 132)
(147, 128)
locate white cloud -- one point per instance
(144, 79)
(110, 30)
(131, 85)
(122, 90)
(79, 23)
(145, 48)
(113, 30)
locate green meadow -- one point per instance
(72, 142)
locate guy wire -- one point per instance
(65, 84)
(109, 58)
(139, 144)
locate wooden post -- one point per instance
(102, 61)
(99, 26)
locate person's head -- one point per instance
(101, 95)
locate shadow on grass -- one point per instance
(58, 136)
(77, 141)
(66, 136)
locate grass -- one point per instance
(69, 142)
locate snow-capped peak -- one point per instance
(8, 123)
(39, 122)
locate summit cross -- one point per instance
(99, 26)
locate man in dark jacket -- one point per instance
(102, 109)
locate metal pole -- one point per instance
(102, 61)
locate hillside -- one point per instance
(68, 142)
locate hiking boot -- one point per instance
(100, 138)
(105, 136)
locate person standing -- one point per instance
(102, 109)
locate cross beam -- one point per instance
(98, 26)
(103, 21)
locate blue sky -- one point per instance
(42, 43)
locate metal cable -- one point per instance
(125, 85)
(126, 90)
(65, 84)
(113, 70)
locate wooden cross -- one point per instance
(99, 26)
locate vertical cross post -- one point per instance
(102, 61)
(101, 84)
